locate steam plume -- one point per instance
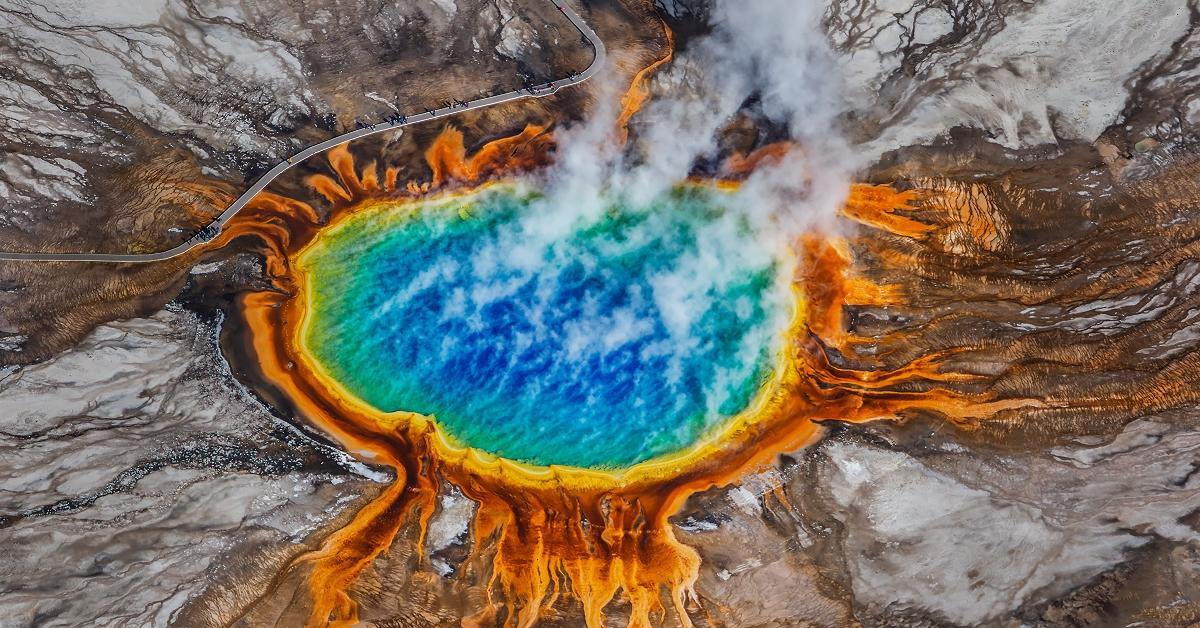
(771, 55)
(772, 51)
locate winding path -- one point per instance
(214, 228)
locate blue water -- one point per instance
(611, 342)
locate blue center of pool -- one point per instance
(550, 335)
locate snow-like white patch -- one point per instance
(137, 402)
(138, 54)
(745, 500)
(34, 177)
(13, 343)
(204, 269)
(516, 36)
(695, 525)
(1059, 67)
(447, 526)
(381, 99)
(919, 537)
(135, 360)
(449, 6)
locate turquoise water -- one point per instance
(545, 335)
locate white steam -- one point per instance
(771, 50)
(774, 50)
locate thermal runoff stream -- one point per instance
(623, 338)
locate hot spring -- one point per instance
(546, 334)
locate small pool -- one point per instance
(550, 335)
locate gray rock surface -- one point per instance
(138, 471)
(947, 534)
(1024, 73)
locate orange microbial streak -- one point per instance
(740, 165)
(639, 89)
(447, 157)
